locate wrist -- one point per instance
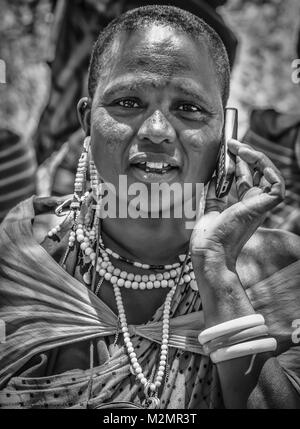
(214, 269)
(222, 294)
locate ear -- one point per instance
(84, 114)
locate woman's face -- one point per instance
(157, 113)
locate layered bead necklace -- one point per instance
(122, 278)
(179, 273)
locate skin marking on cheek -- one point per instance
(114, 139)
(112, 144)
(110, 132)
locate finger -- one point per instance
(272, 193)
(271, 183)
(260, 162)
(234, 146)
(277, 183)
(257, 160)
(264, 184)
(213, 203)
(244, 180)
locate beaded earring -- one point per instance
(82, 206)
(86, 231)
(79, 188)
(89, 238)
(80, 178)
(97, 192)
(77, 202)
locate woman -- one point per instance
(117, 324)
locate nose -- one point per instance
(157, 129)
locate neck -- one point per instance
(151, 241)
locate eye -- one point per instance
(128, 103)
(187, 107)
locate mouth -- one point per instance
(155, 163)
(154, 167)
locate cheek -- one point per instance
(109, 141)
(202, 147)
(111, 133)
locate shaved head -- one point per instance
(164, 16)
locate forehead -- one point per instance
(159, 54)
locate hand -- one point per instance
(221, 233)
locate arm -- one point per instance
(266, 386)
(216, 243)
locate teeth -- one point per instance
(157, 165)
(160, 167)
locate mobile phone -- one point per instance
(226, 163)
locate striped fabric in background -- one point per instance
(278, 136)
(17, 170)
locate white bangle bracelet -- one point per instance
(244, 349)
(249, 334)
(230, 327)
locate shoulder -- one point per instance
(44, 215)
(266, 252)
(31, 218)
(44, 220)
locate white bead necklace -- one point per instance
(114, 275)
(105, 268)
(115, 255)
(122, 278)
(150, 388)
(152, 396)
(87, 239)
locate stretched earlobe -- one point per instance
(84, 114)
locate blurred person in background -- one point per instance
(277, 134)
(17, 170)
